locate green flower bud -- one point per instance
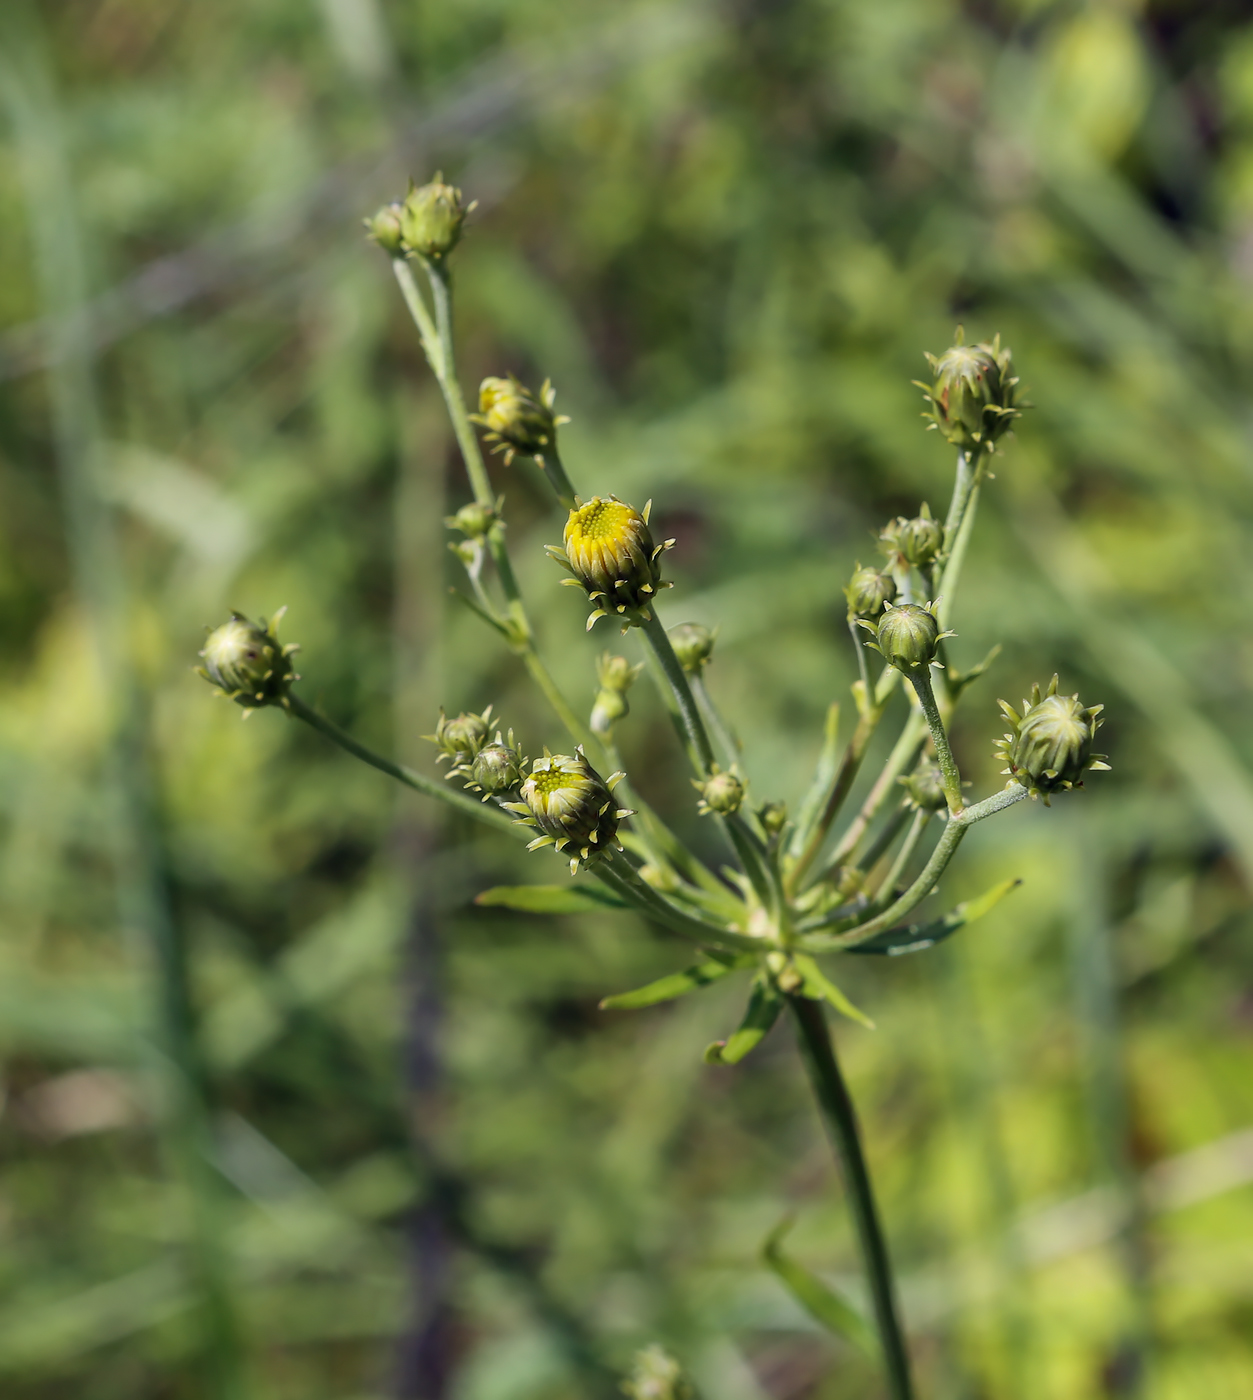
(431, 219)
(1050, 747)
(516, 420)
(867, 591)
(720, 792)
(773, 817)
(610, 551)
(384, 227)
(972, 399)
(616, 672)
(913, 542)
(461, 738)
(573, 807)
(473, 520)
(693, 644)
(657, 1376)
(907, 636)
(925, 786)
(608, 708)
(247, 663)
(496, 768)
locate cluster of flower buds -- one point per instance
(973, 399)
(516, 420)
(461, 738)
(427, 223)
(616, 676)
(721, 793)
(573, 807)
(912, 543)
(867, 592)
(907, 635)
(924, 787)
(693, 644)
(657, 1376)
(609, 549)
(1050, 746)
(247, 662)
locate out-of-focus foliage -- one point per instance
(727, 231)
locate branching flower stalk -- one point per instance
(798, 890)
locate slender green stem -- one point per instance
(903, 857)
(859, 647)
(694, 726)
(620, 877)
(920, 679)
(486, 812)
(841, 784)
(883, 841)
(840, 1120)
(555, 473)
(954, 832)
(903, 756)
(723, 737)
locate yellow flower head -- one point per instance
(517, 420)
(610, 551)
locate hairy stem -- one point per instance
(621, 877)
(903, 856)
(722, 734)
(840, 1120)
(555, 473)
(903, 756)
(920, 679)
(702, 753)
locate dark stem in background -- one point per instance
(840, 1120)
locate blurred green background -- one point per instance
(285, 1115)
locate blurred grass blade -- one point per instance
(819, 987)
(915, 938)
(818, 1299)
(677, 984)
(764, 1006)
(824, 776)
(551, 899)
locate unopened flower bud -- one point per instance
(913, 542)
(907, 636)
(431, 219)
(473, 520)
(925, 786)
(573, 807)
(517, 421)
(657, 1376)
(384, 227)
(247, 663)
(462, 737)
(973, 396)
(1050, 746)
(616, 672)
(867, 591)
(608, 708)
(610, 551)
(693, 644)
(721, 792)
(773, 817)
(496, 768)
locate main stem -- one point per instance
(920, 679)
(840, 1120)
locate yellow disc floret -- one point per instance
(573, 807)
(610, 551)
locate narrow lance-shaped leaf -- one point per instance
(819, 987)
(677, 984)
(824, 775)
(552, 899)
(818, 1299)
(914, 938)
(764, 1006)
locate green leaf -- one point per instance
(677, 984)
(818, 1299)
(819, 987)
(764, 1006)
(916, 937)
(552, 899)
(824, 776)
